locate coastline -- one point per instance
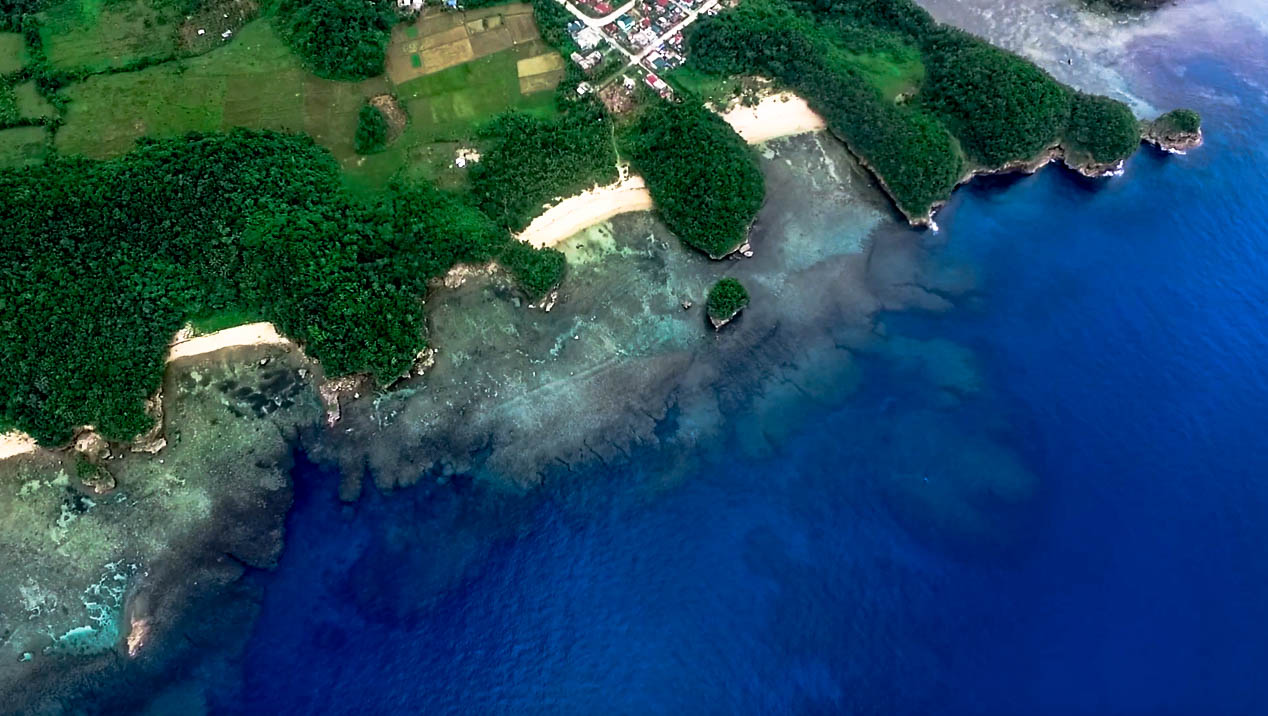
(775, 116)
(184, 345)
(581, 211)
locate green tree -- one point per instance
(372, 130)
(727, 297)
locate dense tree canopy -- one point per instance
(702, 176)
(1103, 127)
(102, 261)
(976, 105)
(1180, 120)
(338, 39)
(1001, 107)
(529, 162)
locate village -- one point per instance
(636, 42)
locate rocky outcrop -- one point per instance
(1169, 138)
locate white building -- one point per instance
(588, 38)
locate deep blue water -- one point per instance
(1088, 535)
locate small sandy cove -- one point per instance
(185, 345)
(586, 209)
(777, 115)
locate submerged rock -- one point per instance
(103, 569)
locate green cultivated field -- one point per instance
(253, 82)
(256, 82)
(98, 34)
(12, 52)
(21, 146)
(444, 110)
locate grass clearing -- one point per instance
(29, 102)
(21, 146)
(12, 52)
(256, 82)
(99, 35)
(894, 73)
(710, 88)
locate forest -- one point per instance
(703, 178)
(528, 162)
(977, 106)
(338, 39)
(103, 261)
(727, 297)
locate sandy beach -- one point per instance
(586, 209)
(250, 334)
(777, 115)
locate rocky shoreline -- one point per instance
(1169, 141)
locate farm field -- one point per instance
(21, 146)
(97, 34)
(12, 52)
(255, 81)
(30, 104)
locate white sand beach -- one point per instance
(249, 334)
(777, 115)
(586, 209)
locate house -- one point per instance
(409, 5)
(588, 39)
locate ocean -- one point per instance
(1043, 492)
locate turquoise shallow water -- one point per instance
(1079, 527)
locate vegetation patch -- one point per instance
(727, 298)
(31, 105)
(96, 35)
(247, 222)
(703, 177)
